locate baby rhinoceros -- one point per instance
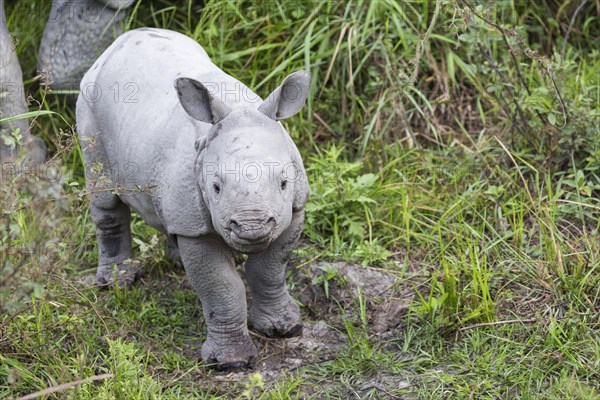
(202, 158)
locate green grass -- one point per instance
(433, 154)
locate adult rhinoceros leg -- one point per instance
(12, 101)
(76, 33)
(273, 311)
(210, 266)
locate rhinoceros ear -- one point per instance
(198, 102)
(288, 98)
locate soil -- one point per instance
(324, 314)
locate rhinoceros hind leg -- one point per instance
(113, 233)
(173, 251)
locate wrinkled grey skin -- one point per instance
(12, 99)
(202, 158)
(76, 32)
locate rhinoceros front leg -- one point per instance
(210, 266)
(273, 311)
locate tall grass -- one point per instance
(422, 73)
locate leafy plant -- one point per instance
(342, 197)
(129, 378)
(323, 279)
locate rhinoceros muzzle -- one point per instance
(252, 230)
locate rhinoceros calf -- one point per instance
(202, 158)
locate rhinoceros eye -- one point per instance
(217, 188)
(283, 184)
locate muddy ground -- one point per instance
(329, 294)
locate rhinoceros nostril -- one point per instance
(234, 226)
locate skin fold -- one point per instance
(203, 159)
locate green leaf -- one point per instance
(540, 100)
(26, 115)
(355, 229)
(363, 199)
(366, 180)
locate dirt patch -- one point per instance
(336, 288)
(329, 294)
(319, 342)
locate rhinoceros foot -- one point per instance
(123, 274)
(235, 355)
(277, 321)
